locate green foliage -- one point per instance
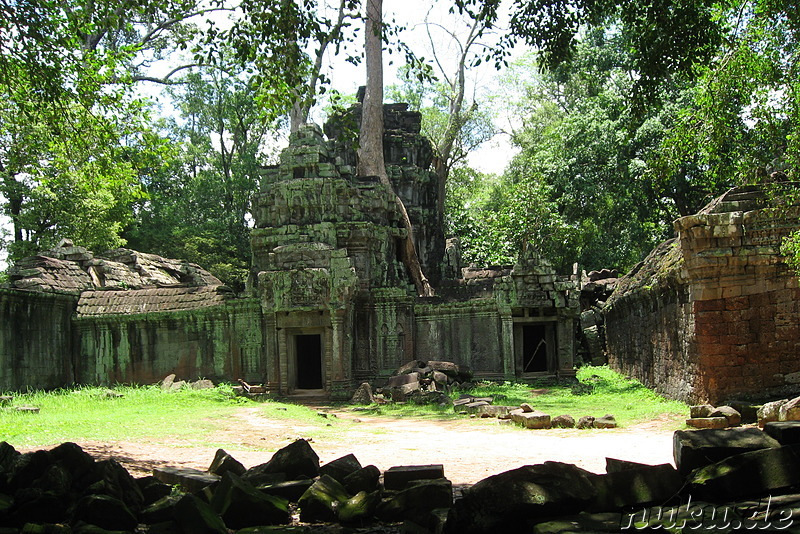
(199, 199)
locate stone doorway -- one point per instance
(308, 361)
(534, 348)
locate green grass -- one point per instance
(599, 391)
(193, 417)
(142, 412)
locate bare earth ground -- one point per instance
(470, 449)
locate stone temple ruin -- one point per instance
(710, 315)
(329, 305)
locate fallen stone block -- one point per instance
(734, 418)
(153, 489)
(583, 522)
(770, 411)
(160, 511)
(533, 420)
(397, 477)
(194, 515)
(365, 479)
(417, 500)
(615, 465)
(341, 467)
(563, 421)
(749, 473)
(490, 410)
(225, 463)
(700, 411)
(790, 411)
(708, 422)
(191, 480)
(105, 512)
(635, 487)
(363, 394)
(321, 501)
(291, 490)
(507, 501)
(748, 410)
(587, 421)
(526, 408)
(241, 505)
(360, 507)
(785, 432)
(607, 421)
(401, 380)
(296, 460)
(697, 448)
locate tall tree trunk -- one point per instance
(370, 149)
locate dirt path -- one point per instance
(470, 449)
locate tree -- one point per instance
(370, 150)
(198, 203)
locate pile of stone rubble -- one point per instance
(726, 479)
(708, 416)
(425, 382)
(526, 415)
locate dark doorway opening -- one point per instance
(534, 348)
(308, 349)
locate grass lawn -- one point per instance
(147, 413)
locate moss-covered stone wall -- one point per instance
(220, 343)
(35, 339)
(715, 314)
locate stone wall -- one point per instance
(649, 327)
(719, 306)
(35, 339)
(223, 342)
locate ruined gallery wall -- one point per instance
(223, 342)
(35, 339)
(467, 333)
(649, 326)
(746, 302)
(714, 315)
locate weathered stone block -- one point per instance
(607, 421)
(194, 515)
(396, 478)
(563, 421)
(341, 467)
(770, 411)
(785, 432)
(105, 512)
(639, 486)
(506, 501)
(420, 497)
(700, 410)
(790, 411)
(225, 463)
(365, 479)
(360, 507)
(191, 480)
(748, 473)
(697, 448)
(733, 417)
(290, 490)
(708, 422)
(533, 420)
(296, 460)
(321, 501)
(241, 505)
